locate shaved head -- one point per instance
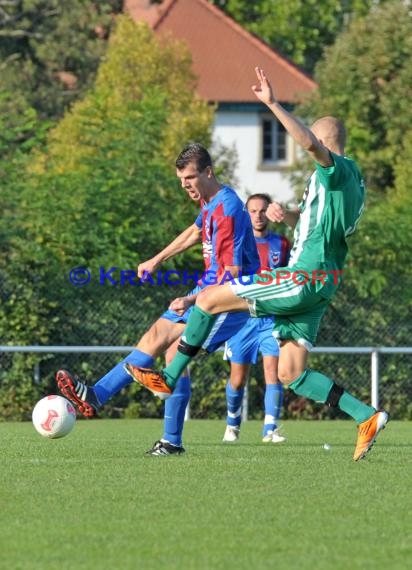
(331, 132)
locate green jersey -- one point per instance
(329, 212)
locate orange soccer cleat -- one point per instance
(150, 379)
(367, 432)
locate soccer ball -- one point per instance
(53, 417)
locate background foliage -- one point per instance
(300, 29)
(49, 54)
(97, 196)
(103, 193)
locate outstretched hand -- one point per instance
(263, 90)
(275, 212)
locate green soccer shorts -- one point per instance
(295, 301)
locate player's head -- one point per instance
(195, 170)
(256, 205)
(331, 132)
(195, 153)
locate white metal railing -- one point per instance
(373, 351)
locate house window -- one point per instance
(275, 149)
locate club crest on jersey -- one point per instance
(275, 257)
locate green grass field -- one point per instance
(92, 500)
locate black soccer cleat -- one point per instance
(78, 393)
(164, 448)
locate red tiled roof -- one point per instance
(224, 54)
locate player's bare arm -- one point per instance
(189, 237)
(301, 134)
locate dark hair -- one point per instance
(258, 196)
(194, 152)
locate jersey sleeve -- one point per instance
(198, 221)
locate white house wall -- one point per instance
(241, 131)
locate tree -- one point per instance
(368, 85)
(300, 29)
(102, 194)
(49, 53)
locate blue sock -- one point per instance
(175, 407)
(117, 378)
(273, 406)
(234, 405)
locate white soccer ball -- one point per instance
(53, 417)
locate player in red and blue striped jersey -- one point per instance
(229, 249)
(242, 349)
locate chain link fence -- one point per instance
(119, 316)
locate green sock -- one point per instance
(197, 330)
(355, 408)
(312, 385)
(316, 386)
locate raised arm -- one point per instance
(190, 236)
(301, 134)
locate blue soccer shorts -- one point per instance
(255, 337)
